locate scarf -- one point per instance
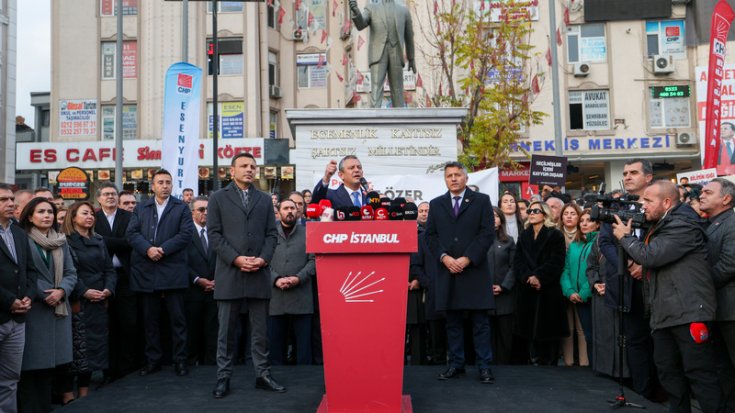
(52, 243)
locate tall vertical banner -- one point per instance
(181, 116)
(721, 19)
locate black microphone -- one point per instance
(410, 212)
(364, 184)
(340, 214)
(373, 199)
(395, 212)
(353, 213)
(400, 201)
(385, 202)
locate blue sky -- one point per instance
(34, 54)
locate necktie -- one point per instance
(356, 199)
(203, 238)
(456, 205)
(244, 195)
(729, 149)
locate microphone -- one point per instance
(396, 211)
(327, 215)
(324, 204)
(699, 332)
(340, 214)
(364, 184)
(381, 214)
(400, 201)
(313, 211)
(385, 202)
(373, 198)
(410, 212)
(353, 213)
(367, 213)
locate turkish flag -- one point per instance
(360, 42)
(558, 37)
(535, 86)
(548, 56)
(419, 81)
(281, 13)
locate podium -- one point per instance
(362, 273)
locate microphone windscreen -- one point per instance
(385, 202)
(353, 213)
(699, 332)
(410, 212)
(340, 214)
(396, 213)
(366, 213)
(313, 211)
(381, 214)
(327, 215)
(373, 198)
(400, 201)
(325, 203)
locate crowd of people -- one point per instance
(83, 286)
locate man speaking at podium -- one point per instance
(460, 232)
(349, 192)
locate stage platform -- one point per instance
(517, 389)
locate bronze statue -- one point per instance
(391, 29)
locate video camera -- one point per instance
(626, 208)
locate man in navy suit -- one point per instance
(460, 232)
(349, 192)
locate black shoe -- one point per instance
(221, 388)
(267, 382)
(451, 373)
(149, 369)
(486, 376)
(181, 369)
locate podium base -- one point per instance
(405, 405)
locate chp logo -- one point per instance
(184, 83)
(361, 288)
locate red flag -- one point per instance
(360, 77)
(558, 37)
(722, 17)
(436, 8)
(281, 13)
(548, 56)
(482, 5)
(341, 79)
(419, 82)
(344, 59)
(334, 8)
(440, 90)
(566, 16)
(356, 97)
(324, 35)
(360, 42)
(535, 86)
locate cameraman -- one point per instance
(679, 295)
(637, 175)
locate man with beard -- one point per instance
(349, 192)
(292, 270)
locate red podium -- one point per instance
(362, 270)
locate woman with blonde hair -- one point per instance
(96, 279)
(538, 264)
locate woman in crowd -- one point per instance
(307, 196)
(48, 324)
(500, 259)
(576, 289)
(96, 279)
(537, 265)
(569, 224)
(513, 224)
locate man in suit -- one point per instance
(17, 291)
(460, 232)
(242, 231)
(111, 223)
(160, 231)
(201, 309)
(726, 157)
(391, 29)
(349, 192)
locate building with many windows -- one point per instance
(8, 42)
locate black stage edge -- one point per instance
(517, 389)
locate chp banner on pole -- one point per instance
(181, 114)
(721, 19)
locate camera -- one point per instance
(626, 208)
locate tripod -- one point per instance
(620, 400)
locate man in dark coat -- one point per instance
(679, 295)
(349, 192)
(17, 291)
(111, 222)
(460, 232)
(716, 199)
(242, 230)
(201, 309)
(160, 230)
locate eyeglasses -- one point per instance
(202, 209)
(535, 211)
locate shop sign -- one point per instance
(73, 183)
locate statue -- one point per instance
(391, 29)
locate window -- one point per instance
(589, 110)
(231, 61)
(109, 7)
(273, 124)
(226, 6)
(311, 70)
(273, 69)
(668, 107)
(129, 122)
(231, 119)
(272, 16)
(666, 37)
(129, 55)
(586, 43)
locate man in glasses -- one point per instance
(111, 222)
(201, 309)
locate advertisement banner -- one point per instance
(721, 19)
(501, 10)
(670, 35)
(73, 183)
(548, 170)
(701, 177)
(78, 117)
(181, 111)
(130, 60)
(231, 119)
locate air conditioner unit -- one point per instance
(581, 69)
(298, 35)
(663, 64)
(275, 91)
(684, 139)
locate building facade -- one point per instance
(8, 44)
